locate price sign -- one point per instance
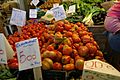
(32, 13)
(18, 17)
(98, 70)
(28, 54)
(35, 2)
(3, 57)
(71, 9)
(59, 13)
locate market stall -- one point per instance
(61, 40)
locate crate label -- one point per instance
(18, 17)
(98, 70)
(28, 54)
(59, 13)
(33, 13)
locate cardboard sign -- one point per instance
(59, 13)
(6, 51)
(28, 54)
(33, 13)
(71, 9)
(18, 17)
(35, 2)
(55, 5)
(48, 16)
(98, 70)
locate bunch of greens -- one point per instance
(94, 11)
(90, 10)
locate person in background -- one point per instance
(112, 26)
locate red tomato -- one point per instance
(13, 65)
(50, 47)
(92, 48)
(67, 26)
(57, 66)
(83, 51)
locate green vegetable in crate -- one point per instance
(88, 18)
(5, 72)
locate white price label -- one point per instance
(18, 17)
(35, 2)
(28, 54)
(3, 57)
(32, 13)
(98, 70)
(71, 9)
(59, 13)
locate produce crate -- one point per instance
(61, 75)
(54, 75)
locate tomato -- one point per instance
(11, 42)
(50, 47)
(76, 38)
(78, 23)
(99, 53)
(83, 51)
(67, 26)
(78, 57)
(72, 61)
(14, 60)
(66, 59)
(59, 56)
(13, 65)
(82, 33)
(68, 34)
(15, 55)
(68, 67)
(60, 23)
(67, 50)
(86, 38)
(57, 66)
(79, 64)
(76, 45)
(59, 29)
(92, 48)
(60, 47)
(75, 53)
(67, 41)
(66, 22)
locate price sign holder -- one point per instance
(59, 13)
(98, 70)
(29, 56)
(6, 51)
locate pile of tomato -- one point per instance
(63, 45)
